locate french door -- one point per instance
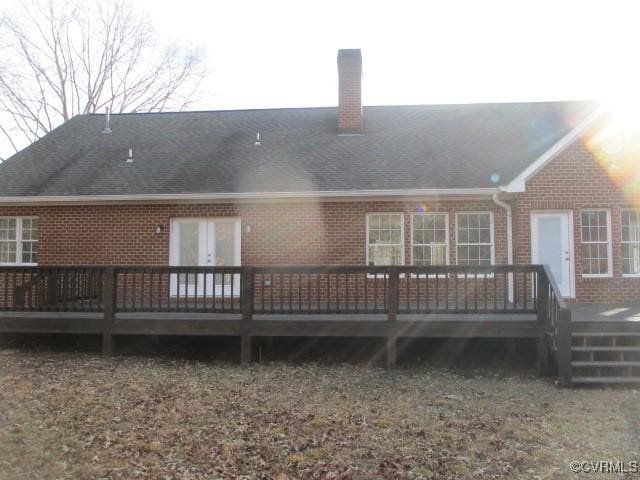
(205, 242)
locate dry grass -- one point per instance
(76, 416)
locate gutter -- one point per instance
(507, 208)
(245, 197)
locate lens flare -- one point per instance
(616, 147)
(422, 207)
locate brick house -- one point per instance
(425, 185)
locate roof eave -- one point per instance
(518, 184)
(346, 195)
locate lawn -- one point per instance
(76, 416)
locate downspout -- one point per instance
(507, 208)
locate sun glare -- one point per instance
(616, 145)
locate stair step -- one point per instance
(605, 334)
(604, 349)
(604, 364)
(605, 379)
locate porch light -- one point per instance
(159, 229)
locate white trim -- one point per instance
(491, 233)
(19, 240)
(401, 234)
(251, 196)
(609, 273)
(518, 184)
(570, 240)
(446, 234)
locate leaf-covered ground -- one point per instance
(75, 416)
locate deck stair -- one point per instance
(605, 352)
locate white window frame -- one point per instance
(19, 240)
(391, 244)
(491, 234)
(609, 273)
(446, 234)
(623, 242)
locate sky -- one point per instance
(283, 53)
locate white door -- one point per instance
(205, 242)
(552, 245)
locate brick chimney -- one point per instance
(350, 91)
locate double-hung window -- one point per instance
(631, 242)
(385, 239)
(429, 239)
(474, 238)
(596, 242)
(18, 240)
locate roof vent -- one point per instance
(130, 157)
(107, 127)
(258, 142)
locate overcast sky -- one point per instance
(276, 53)
(283, 53)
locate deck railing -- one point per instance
(555, 318)
(283, 290)
(251, 292)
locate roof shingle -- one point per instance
(403, 147)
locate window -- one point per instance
(385, 239)
(18, 240)
(429, 239)
(630, 242)
(474, 238)
(596, 248)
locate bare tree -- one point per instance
(67, 57)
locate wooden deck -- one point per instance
(318, 325)
(612, 312)
(605, 343)
(309, 301)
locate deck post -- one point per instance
(542, 312)
(392, 294)
(245, 349)
(52, 288)
(392, 352)
(564, 346)
(246, 293)
(109, 300)
(392, 314)
(246, 301)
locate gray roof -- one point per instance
(403, 147)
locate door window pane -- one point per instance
(189, 244)
(225, 244)
(550, 244)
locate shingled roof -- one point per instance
(402, 148)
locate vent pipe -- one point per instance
(107, 126)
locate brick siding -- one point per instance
(335, 232)
(281, 233)
(573, 181)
